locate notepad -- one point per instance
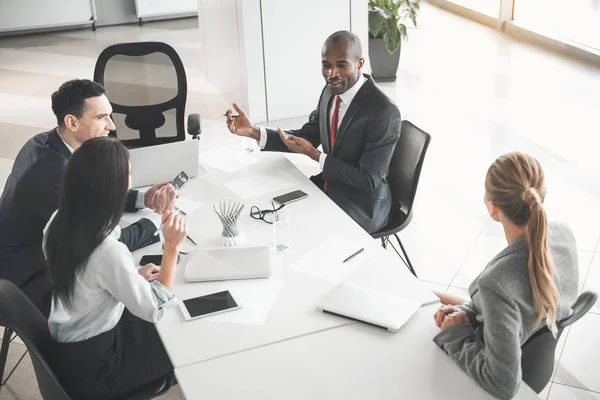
(371, 306)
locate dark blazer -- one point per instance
(31, 194)
(356, 168)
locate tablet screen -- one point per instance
(210, 303)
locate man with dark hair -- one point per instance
(33, 188)
(358, 127)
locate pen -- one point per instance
(163, 225)
(233, 116)
(353, 255)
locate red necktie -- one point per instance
(333, 128)
(334, 122)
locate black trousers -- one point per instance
(114, 363)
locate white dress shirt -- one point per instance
(109, 283)
(346, 97)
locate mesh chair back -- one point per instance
(23, 317)
(537, 354)
(146, 85)
(406, 164)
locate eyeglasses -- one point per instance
(265, 215)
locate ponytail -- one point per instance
(541, 269)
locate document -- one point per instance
(261, 183)
(187, 206)
(227, 160)
(256, 296)
(326, 261)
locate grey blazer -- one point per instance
(356, 168)
(502, 315)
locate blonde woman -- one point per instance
(529, 284)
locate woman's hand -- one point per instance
(454, 319)
(441, 313)
(174, 230)
(149, 272)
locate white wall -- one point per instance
(266, 54)
(155, 8)
(34, 14)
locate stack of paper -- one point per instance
(227, 160)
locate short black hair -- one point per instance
(354, 45)
(70, 98)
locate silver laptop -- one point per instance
(229, 263)
(371, 306)
(162, 163)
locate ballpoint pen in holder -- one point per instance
(229, 213)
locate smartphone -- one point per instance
(155, 259)
(210, 304)
(290, 197)
(180, 180)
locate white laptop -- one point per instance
(371, 306)
(229, 263)
(163, 162)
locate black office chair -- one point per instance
(537, 354)
(403, 178)
(146, 85)
(19, 314)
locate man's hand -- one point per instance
(149, 272)
(454, 319)
(299, 145)
(241, 125)
(163, 199)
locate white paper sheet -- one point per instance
(227, 160)
(326, 260)
(261, 183)
(133, 217)
(186, 205)
(256, 296)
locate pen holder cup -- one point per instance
(229, 214)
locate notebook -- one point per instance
(229, 263)
(371, 306)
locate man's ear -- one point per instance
(71, 122)
(361, 62)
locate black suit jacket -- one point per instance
(31, 194)
(356, 168)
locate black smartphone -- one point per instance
(290, 197)
(180, 180)
(155, 259)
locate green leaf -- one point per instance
(402, 31)
(416, 5)
(391, 39)
(375, 23)
(413, 18)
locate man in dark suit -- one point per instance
(358, 127)
(33, 188)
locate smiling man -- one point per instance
(33, 188)
(358, 127)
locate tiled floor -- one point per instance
(476, 91)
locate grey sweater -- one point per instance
(502, 315)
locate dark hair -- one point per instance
(339, 37)
(93, 200)
(70, 98)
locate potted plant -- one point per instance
(386, 32)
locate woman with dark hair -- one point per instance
(529, 284)
(103, 307)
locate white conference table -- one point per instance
(300, 352)
(357, 361)
(313, 221)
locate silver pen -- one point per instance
(177, 210)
